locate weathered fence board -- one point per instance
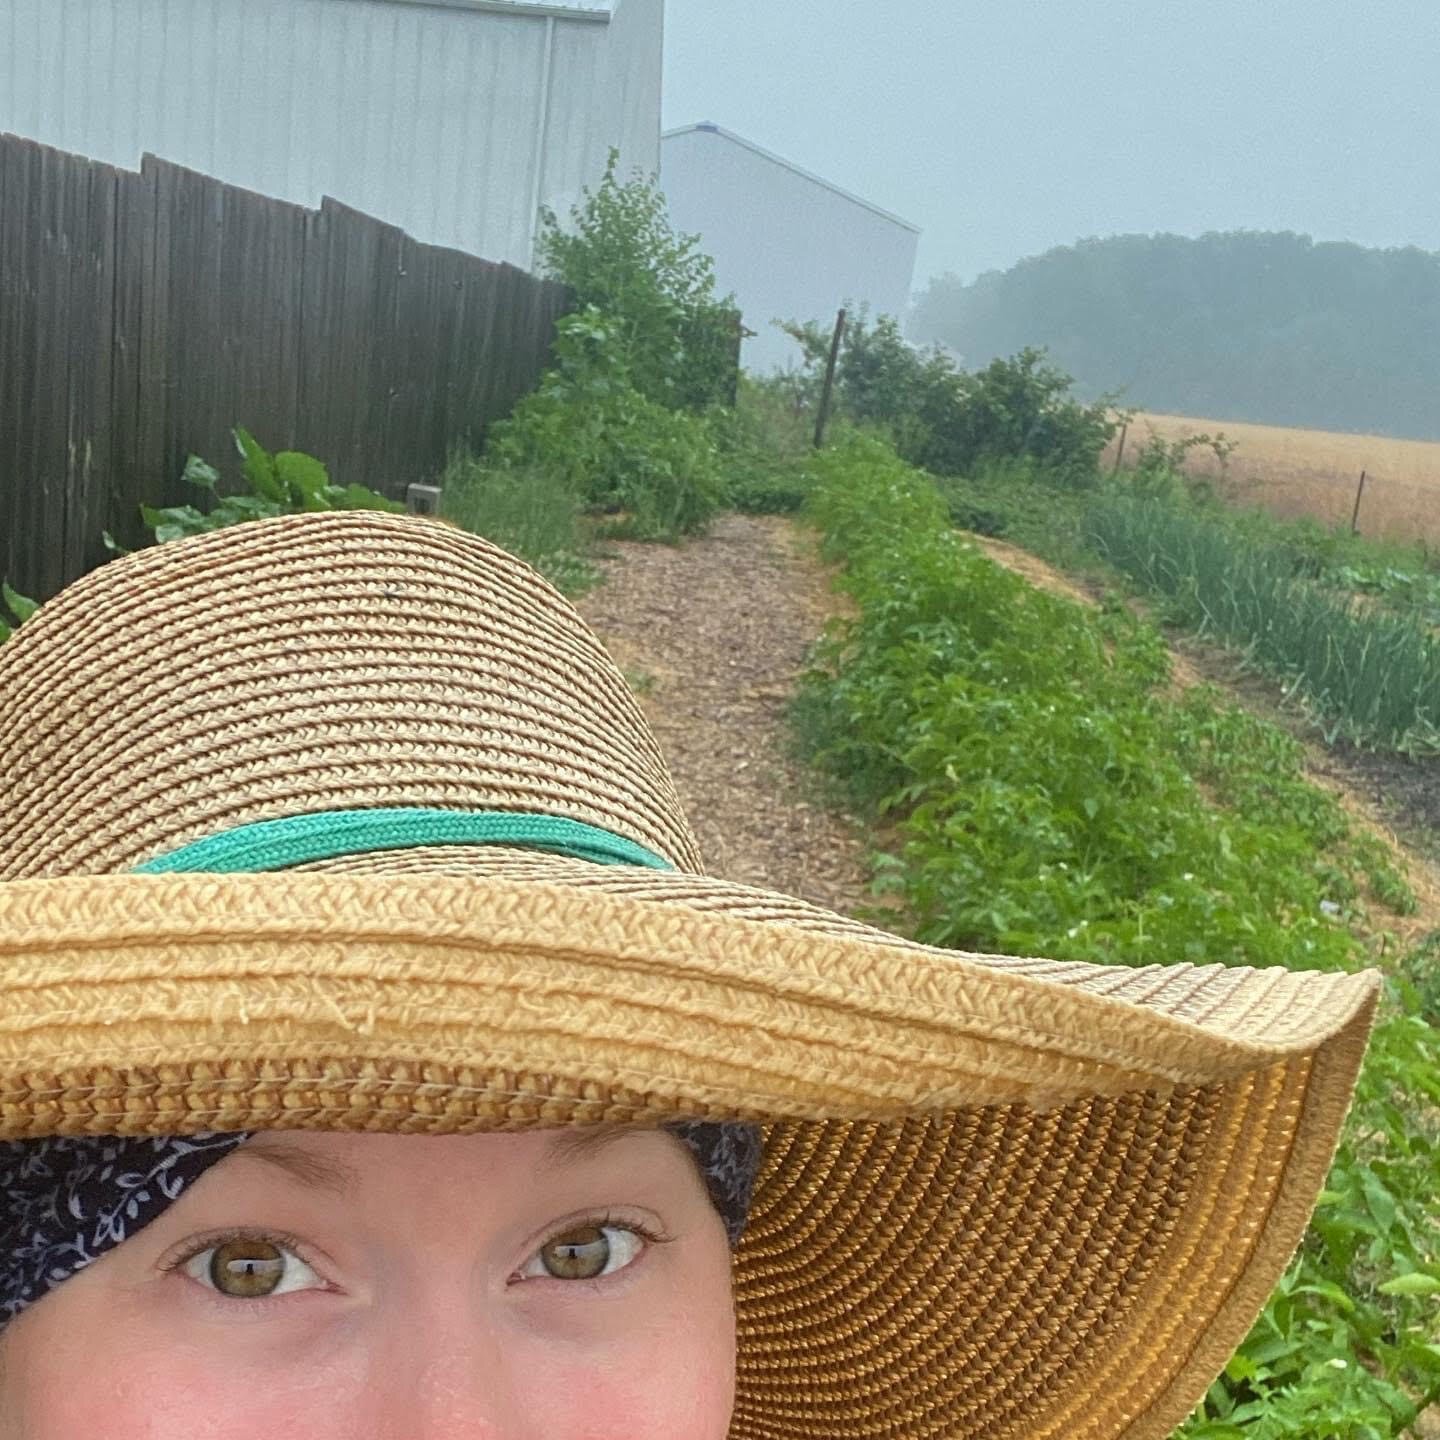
(144, 314)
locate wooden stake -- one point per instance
(1355, 515)
(823, 418)
(1120, 453)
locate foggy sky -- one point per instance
(1004, 127)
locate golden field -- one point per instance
(1315, 473)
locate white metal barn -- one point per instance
(454, 119)
(790, 245)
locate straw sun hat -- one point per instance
(448, 887)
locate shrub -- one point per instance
(677, 344)
(655, 470)
(623, 418)
(951, 422)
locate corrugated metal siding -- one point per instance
(423, 116)
(789, 246)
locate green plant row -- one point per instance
(1401, 577)
(1040, 790)
(1373, 674)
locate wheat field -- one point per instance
(1314, 473)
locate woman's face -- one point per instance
(553, 1285)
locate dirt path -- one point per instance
(712, 635)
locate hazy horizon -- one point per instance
(1004, 131)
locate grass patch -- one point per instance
(533, 512)
(764, 444)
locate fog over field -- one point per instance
(1295, 139)
(1006, 128)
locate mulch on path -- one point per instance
(713, 635)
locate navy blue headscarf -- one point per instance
(65, 1201)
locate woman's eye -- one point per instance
(586, 1253)
(247, 1269)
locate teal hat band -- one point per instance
(298, 839)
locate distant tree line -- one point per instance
(1245, 325)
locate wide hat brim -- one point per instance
(1000, 1197)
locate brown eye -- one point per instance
(247, 1268)
(251, 1268)
(581, 1254)
(586, 1253)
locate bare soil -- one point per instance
(713, 635)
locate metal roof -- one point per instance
(564, 9)
(709, 127)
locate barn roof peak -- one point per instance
(709, 127)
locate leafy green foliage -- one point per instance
(1266, 327)
(1008, 501)
(1041, 792)
(764, 442)
(1375, 675)
(1050, 797)
(281, 484)
(674, 340)
(533, 513)
(656, 470)
(1401, 578)
(20, 607)
(625, 417)
(1161, 470)
(952, 422)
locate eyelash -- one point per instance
(283, 1239)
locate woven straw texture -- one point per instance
(1001, 1197)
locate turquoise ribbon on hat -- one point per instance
(727, 1153)
(297, 839)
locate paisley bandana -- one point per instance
(65, 1201)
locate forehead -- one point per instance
(335, 1164)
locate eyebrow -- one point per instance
(584, 1142)
(566, 1149)
(315, 1172)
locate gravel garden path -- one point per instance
(712, 635)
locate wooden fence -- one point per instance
(144, 315)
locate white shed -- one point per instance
(453, 119)
(791, 245)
